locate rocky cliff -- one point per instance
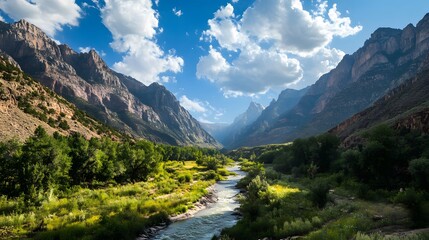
(385, 61)
(404, 107)
(151, 112)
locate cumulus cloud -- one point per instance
(134, 25)
(192, 105)
(294, 29)
(278, 44)
(255, 71)
(49, 15)
(225, 29)
(177, 12)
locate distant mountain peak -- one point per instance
(254, 106)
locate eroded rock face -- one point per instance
(386, 60)
(85, 79)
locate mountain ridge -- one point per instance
(85, 80)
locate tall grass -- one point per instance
(114, 212)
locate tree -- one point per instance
(419, 170)
(140, 160)
(10, 152)
(328, 151)
(44, 164)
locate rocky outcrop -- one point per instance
(151, 112)
(386, 60)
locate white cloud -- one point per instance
(1, 18)
(177, 12)
(192, 105)
(317, 65)
(87, 49)
(49, 15)
(225, 29)
(294, 29)
(84, 49)
(278, 44)
(255, 71)
(225, 12)
(235, 1)
(134, 26)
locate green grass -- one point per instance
(114, 212)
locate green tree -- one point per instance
(10, 153)
(44, 164)
(419, 170)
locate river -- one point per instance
(211, 220)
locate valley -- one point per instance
(269, 131)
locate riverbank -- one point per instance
(210, 214)
(201, 204)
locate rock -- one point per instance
(377, 217)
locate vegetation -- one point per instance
(317, 189)
(68, 187)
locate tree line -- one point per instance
(44, 163)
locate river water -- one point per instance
(211, 220)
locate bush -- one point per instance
(418, 204)
(319, 194)
(182, 178)
(64, 125)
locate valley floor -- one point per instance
(109, 212)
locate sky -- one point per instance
(216, 56)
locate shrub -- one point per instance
(418, 204)
(319, 194)
(64, 125)
(182, 178)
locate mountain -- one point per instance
(286, 101)
(386, 60)
(404, 107)
(25, 104)
(151, 112)
(226, 135)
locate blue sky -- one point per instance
(217, 55)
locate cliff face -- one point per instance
(385, 61)
(404, 107)
(83, 78)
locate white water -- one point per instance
(211, 220)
